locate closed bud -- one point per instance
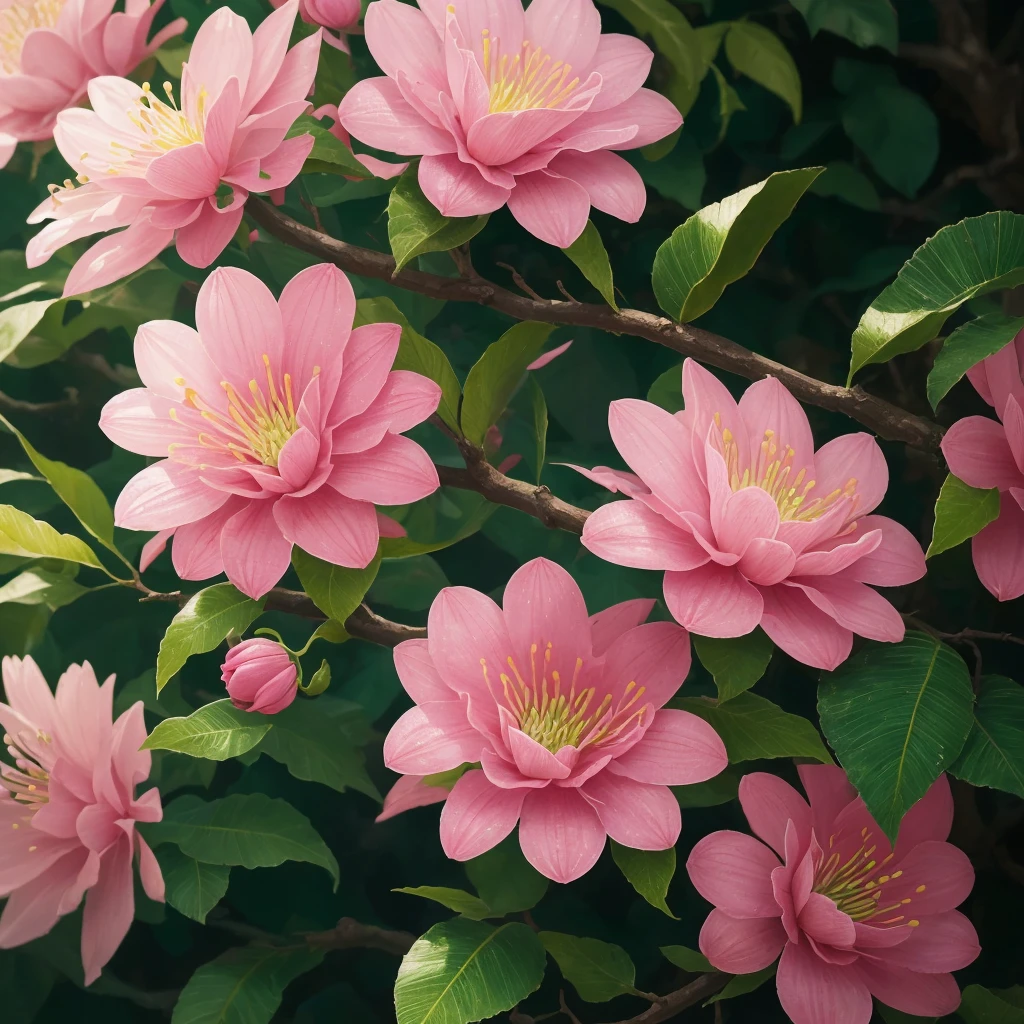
(260, 676)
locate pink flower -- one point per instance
(985, 453)
(68, 810)
(511, 107)
(183, 175)
(260, 676)
(50, 49)
(278, 425)
(852, 916)
(563, 712)
(408, 792)
(751, 524)
(341, 15)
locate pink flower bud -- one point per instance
(260, 676)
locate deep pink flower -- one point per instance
(168, 174)
(278, 425)
(751, 524)
(68, 810)
(511, 107)
(986, 453)
(260, 676)
(852, 916)
(50, 49)
(340, 15)
(563, 712)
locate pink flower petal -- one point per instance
(998, 552)
(552, 208)
(654, 115)
(942, 942)
(395, 472)
(623, 62)
(406, 400)
(828, 791)
(802, 630)
(196, 552)
(164, 351)
(109, 909)
(610, 624)
(766, 562)
(977, 451)
(430, 738)
(477, 816)
(1005, 377)
(679, 749)
(34, 908)
(202, 240)
(408, 792)
(141, 422)
(369, 356)
(854, 606)
(812, 991)
(613, 185)
(824, 922)
(941, 871)
(533, 760)
(187, 172)
(743, 516)
(417, 673)
(654, 655)
(256, 554)
(713, 601)
(630, 533)
(827, 562)
(117, 256)
(401, 38)
(269, 45)
(330, 526)
(931, 818)
(164, 495)
(734, 872)
(852, 457)
(149, 872)
(768, 405)
(375, 112)
(569, 28)
(635, 814)
(922, 995)
(741, 946)
(770, 804)
(560, 833)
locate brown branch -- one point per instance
(966, 635)
(39, 408)
(675, 1002)
(884, 418)
(351, 934)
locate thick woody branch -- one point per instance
(880, 416)
(675, 1002)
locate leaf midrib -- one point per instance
(458, 974)
(910, 725)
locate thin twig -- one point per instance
(884, 418)
(675, 1002)
(351, 934)
(39, 408)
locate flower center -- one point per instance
(526, 80)
(253, 429)
(773, 471)
(25, 780)
(17, 21)
(857, 887)
(557, 716)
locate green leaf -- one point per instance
(22, 535)
(993, 755)
(674, 38)
(979, 1005)
(459, 900)
(680, 176)
(37, 586)
(897, 131)
(718, 790)
(497, 373)
(891, 1016)
(539, 409)
(242, 986)
(415, 226)
(753, 728)
(193, 889)
(328, 153)
(743, 983)
(18, 322)
(967, 346)
(589, 254)
(443, 519)
(720, 243)
(844, 181)
(416, 353)
(409, 583)
(758, 53)
(897, 716)
(960, 513)
(250, 830)
(462, 971)
(687, 959)
(217, 732)
(667, 390)
(336, 590)
(959, 262)
(864, 22)
(319, 681)
(319, 741)
(203, 624)
(506, 881)
(736, 664)
(650, 872)
(599, 971)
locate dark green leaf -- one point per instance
(719, 244)
(459, 900)
(599, 971)
(687, 959)
(967, 346)
(336, 590)
(203, 624)
(729, 102)
(650, 872)
(667, 390)
(897, 716)
(496, 375)
(846, 182)
(957, 263)
(679, 176)
(328, 153)
(743, 983)
(193, 889)
(505, 879)
(758, 53)
(217, 732)
(864, 22)
(960, 513)
(539, 409)
(982, 1006)
(752, 728)
(993, 755)
(415, 226)
(719, 790)
(462, 971)
(736, 664)
(589, 254)
(410, 583)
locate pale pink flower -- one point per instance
(180, 175)
(50, 49)
(752, 525)
(565, 714)
(408, 792)
(68, 810)
(852, 916)
(276, 424)
(260, 676)
(340, 15)
(511, 107)
(378, 168)
(985, 453)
